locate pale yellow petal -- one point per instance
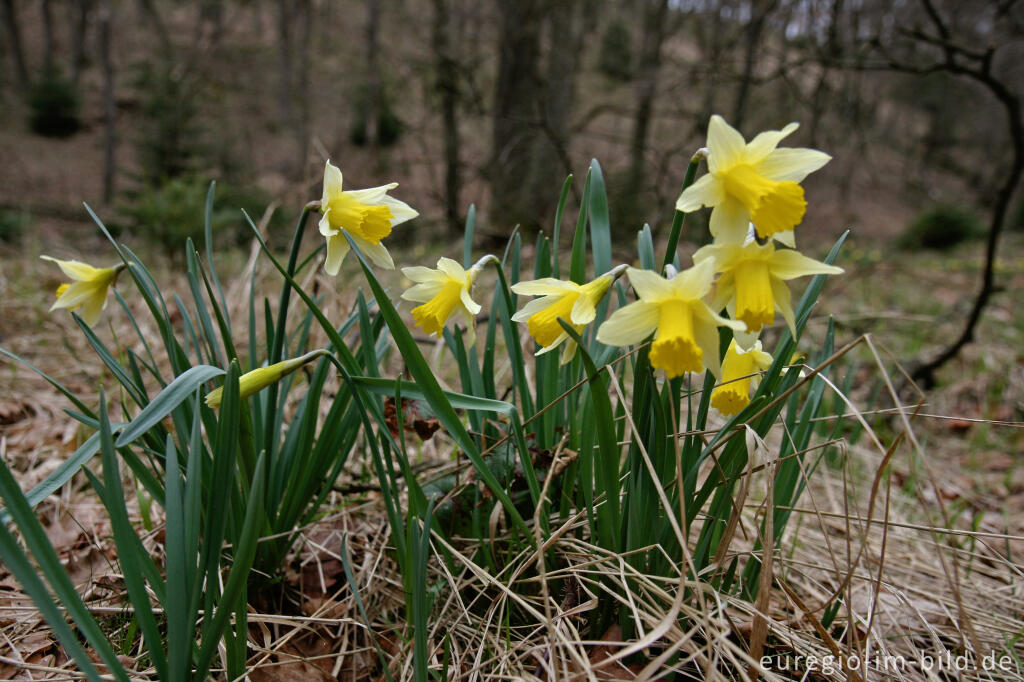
(784, 303)
(705, 334)
(554, 344)
(568, 351)
(695, 281)
(583, 311)
(533, 307)
(629, 325)
(377, 253)
(791, 164)
(546, 286)
(649, 285)
(75, 295)
(765, 143)
(372, 196)
(725, 144)
(729, 222)
(332, 183)
(400, 211)
(789, 264)
(326, 229)
(788, 238)
(708, 191)
(337, 249)
(423, 292)
(420, 273)
(74, 269)
(451, 269)
(92, 307)
(468, 303)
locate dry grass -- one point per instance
(921, 553)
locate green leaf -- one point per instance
(166, 401)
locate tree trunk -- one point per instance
(49, 39)
(13, 29)
(447, 87)
(752, 41)
(109, 104)
(372, 83)
(553, 162)
(79, 34)
(285, 57)
(516, 115)
(302, 130)
(646, 86)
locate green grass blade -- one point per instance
(166, 401)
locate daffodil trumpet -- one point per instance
(255, 381)
(88, 289)
(752, 181)
(443, 293)
(752, 282)
(574, 304)
(672, 308)
(366, 215)
(741, 373)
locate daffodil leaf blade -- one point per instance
(167, 401)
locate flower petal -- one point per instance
(730, 221)
(533, 307)
(629, 325)
(420, 274)
(326, 229)
(92, 307)
(451, 269)
(74, 269)
(791, 164)
(546, 286)
(695, 281)
(337, 249)
(649, 285)
(372, 196)
(706, 336)
(725, 143)
(375, 252)
(790, 264)
(471, 306)
(75, 295)
(583, 311)
(568, 351)
(765, 143)
(554, 344)
(400, 211)
(708, 191)
(422, 292)
(787, 238)
(784, 304)
(332, 183)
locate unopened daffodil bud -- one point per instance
(258, 379)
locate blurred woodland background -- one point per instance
(135, 105)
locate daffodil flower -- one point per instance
(752, 283)
(367, 215)
(686, 338)
(255, 381)
(752, 182)
(574, 303)
(87, 291)
(444, 291)
(740, 370)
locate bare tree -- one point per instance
(13, 29)
(109, 105)
(49, 37)
(79, 34)
(446, 84)
(760, 9)
(944, 52)
(516, 114)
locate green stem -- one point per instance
(680, 217)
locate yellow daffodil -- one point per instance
(751, 182)
(574, 303)
(752, 283)
(367, 215)
(255, 381)
(87, 291)
(687, 334)
(739, 375)
(443, 292)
